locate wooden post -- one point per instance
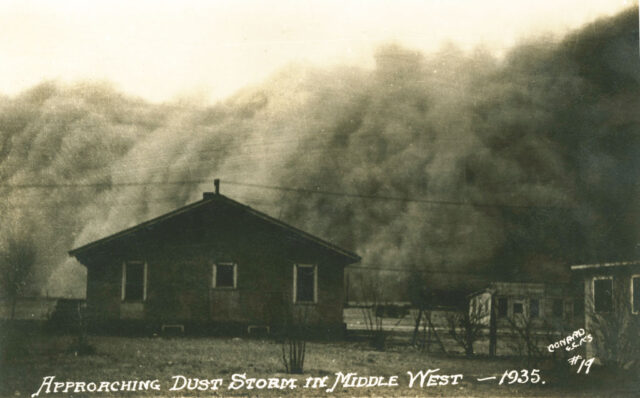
(427, 324)
(493, 327)
(346, 298)
(416, 329)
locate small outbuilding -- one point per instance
(612, 308)
(214, 265)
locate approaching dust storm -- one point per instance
(455, 161)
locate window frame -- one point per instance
(633, 310)
(593, 293)
(295, 283)
(519, 302)
(538, 311)
(123, 286)
(214, 274)
(506, 307)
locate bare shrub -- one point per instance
(616, 334)
(417, 290)
(17, 259)
(372, 297)
(80, 344)
(529, 340)
(294, 342)
(526, 341)
(465, 328)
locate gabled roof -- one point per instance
(217, 200)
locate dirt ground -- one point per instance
(118, 359)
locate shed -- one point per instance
(612, 308)
(215, 264)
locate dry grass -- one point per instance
(119, 358)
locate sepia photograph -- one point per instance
(319, 198)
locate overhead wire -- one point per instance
(287, 189)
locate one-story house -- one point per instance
(555, 306)
(214, 264)
(544, 311)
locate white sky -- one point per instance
(162, 49)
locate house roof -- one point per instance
(510, 288)
(211, 199)
(604, 265)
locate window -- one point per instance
(305, 283)
(134, 281)
(225, 275)
(635, 294)
(603, 294)
(502, 307)
(534, 308)
(518, 308)
(557, 308)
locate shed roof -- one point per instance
(210, 199)
(582, 267)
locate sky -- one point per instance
(171, 50)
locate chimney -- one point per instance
(211, 195)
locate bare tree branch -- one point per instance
(17, 260)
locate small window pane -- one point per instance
(517, 308)
(534, 308)
(305, 284)
(636, 293)
(502, 307)
(557, 308)
(134, 282)
(224, 275)
(603, 295)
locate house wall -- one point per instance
(480, 308)
(179, 287)
(622, 312)
(257, 298)
(179, 254)
(264, 295)
(504, 331)
(104, 283)
(546, 294)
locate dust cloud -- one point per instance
(463, 163)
